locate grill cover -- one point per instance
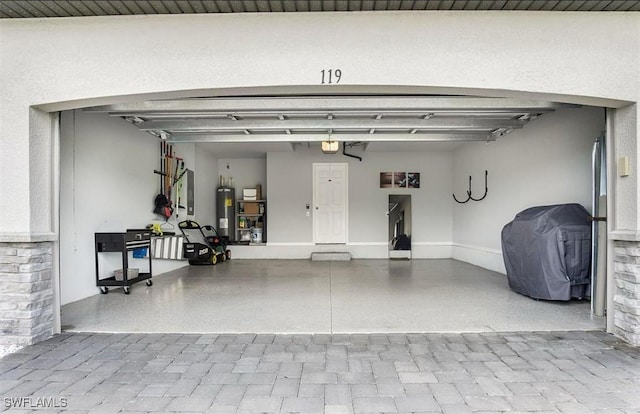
(547, 252)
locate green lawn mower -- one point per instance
(212, 251)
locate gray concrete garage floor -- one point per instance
(542, 372)
(301, 296)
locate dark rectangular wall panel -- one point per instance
(190, 193)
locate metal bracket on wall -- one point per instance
(469, 196)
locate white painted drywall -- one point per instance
(246, 173)
(107, 185)
(289, 179)
(205, 186)
(548, 162)
(73, 62)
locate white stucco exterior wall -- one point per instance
(627, 194)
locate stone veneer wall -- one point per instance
(627, 296)
(26, 293)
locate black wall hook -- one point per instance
(486, 189)
(469, 196)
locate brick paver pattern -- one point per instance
(542, 372)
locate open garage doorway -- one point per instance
(535, 153)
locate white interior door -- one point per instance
(330, 203)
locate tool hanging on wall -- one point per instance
(163, 199)
(179, 189)
(167, 169)
(469, 196)
(176, 183)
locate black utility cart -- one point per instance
(122, 243)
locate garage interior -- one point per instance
(534, 153)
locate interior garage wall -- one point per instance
(548, 162)
(205, 185)
(106, 185)
(289, 180)
(246, 173)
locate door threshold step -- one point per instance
(331, 256)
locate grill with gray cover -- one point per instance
(547, 252)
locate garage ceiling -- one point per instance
(312, 119)
(68, 8)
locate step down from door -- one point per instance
(331, 256)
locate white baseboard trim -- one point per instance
(431, 250)
(480, 256)
(277, 244)
(161, 266)
(477, 255)
(358, 250)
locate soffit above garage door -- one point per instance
(362, 119)
(69, 8)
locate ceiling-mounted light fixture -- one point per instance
(330, 147)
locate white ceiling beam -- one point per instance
(445, 124)
(177, 138)
(381, 104)
(491, 113)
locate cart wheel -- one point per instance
(149, 282)
(227, 254)
(104, 290)
(223, 257)
(214, 259)
(127, 290)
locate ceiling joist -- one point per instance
(325, 105)
(344, 118)
(432, 124)
(195, 138)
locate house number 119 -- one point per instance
(330, 76)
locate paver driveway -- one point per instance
(558, 372)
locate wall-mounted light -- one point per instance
(330, 147)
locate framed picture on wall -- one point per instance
(413, 180)
(386, 180)
(400, 180)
